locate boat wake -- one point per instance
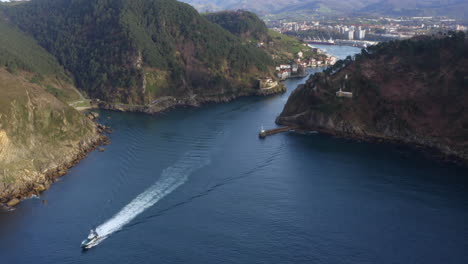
(171, 178)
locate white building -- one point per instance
(461, 28)
(359, 34)
(295, 27)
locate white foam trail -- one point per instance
(171, 178)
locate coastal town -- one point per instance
(359, 32)
(367, 28)
(298, 67)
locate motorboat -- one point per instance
(92, 239)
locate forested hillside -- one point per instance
(136, 51)
(139, 55)
(242, 23)
(251, 29)
(413, 91)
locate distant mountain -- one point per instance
(454, 8)
(277, 6)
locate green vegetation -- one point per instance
(36, 129)
(108, 44)
(412, 91)
(21, 52)
(242, 23)
(251, 28)
(286, 48)
(423, 48)
(419, 53)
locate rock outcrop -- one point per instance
(40, 137)
(169, 102)
(414, 92)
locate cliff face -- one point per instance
(40, 136)
(413, 91)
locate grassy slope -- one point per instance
(285, 48)
(19, 52)
(37, 130)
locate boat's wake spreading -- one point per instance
(171, 178)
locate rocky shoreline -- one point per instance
(170, 102)
(43, 180)
(342, 129)
(13, 195)
(373, 98)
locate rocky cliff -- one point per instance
(40, 135)
(413, 91)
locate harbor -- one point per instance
(341, 42)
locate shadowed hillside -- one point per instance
(413, 91)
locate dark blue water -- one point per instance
(198, 186)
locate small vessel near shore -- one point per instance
(92, 240)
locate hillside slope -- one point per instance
(140, 52)
(40, 135)
(251, 29)
(413, 91)
(244, 24)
